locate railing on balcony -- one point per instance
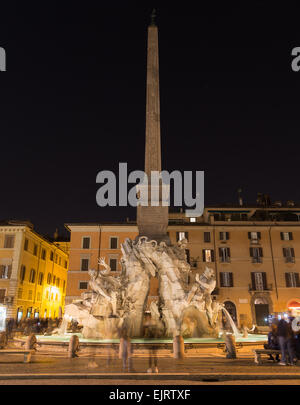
(289, 259)
(268, 287)
(224, 259)
(257, 259)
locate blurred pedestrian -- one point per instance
(125, 352)
(286, 343)
(273, 341)
(151, 332)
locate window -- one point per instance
(9, 241)
(208, 255)
(64, 286)
(51, 256)
(256, 254)
(113, 264)
(57, 282)
(20, 293)
(38, 296)
(113, 243)
(41, 277)
(2, 295)
(224, 236)
(59, 261)
(206, 236)
(292, 279)
(47, 294)
(83, 285)
(35, 249)
(49, 278)
(32, 276)
(286, 235)
(289, 254)
(56, 257)
(66, 264)
(5, 271)
(226, 279)
(192, 219)
(30, 295)
(259, 281)
(224, 254)
(26, 244)
(43, 254)
(182, 235)
(85, 264)
(54, 278)
(86, 242)
(254, 236)
(22, 273)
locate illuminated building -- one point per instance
(255, 252)
(33, 272)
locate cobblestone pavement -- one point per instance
(207, 368)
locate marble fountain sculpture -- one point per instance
(183, 308)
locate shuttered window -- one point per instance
(86, 241)
(286, 235)
(9, 241)
(226, 279)
(224, 254)
(292, 279)
(206, 236)
(208, 255)
(224, 236)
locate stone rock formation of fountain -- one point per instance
(183, 308)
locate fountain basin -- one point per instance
(164, 346)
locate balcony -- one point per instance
(256, 288)
(289, 259)
(224, 259)
(256, 259)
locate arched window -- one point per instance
(41, 277)
(231, 308)
(32, 276)
(22, 273)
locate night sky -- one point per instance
(73, 101)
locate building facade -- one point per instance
(33, 272)
(254, 251)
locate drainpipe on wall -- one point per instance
(273, 263)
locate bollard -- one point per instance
(73, 346)
(230, 346)
(178, 347)
(31, 342)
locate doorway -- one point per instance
(231, 308)
(261, 313)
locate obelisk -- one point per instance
(152, 220)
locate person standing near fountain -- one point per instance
(151, 332)
(125, 351)
(286, 343)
